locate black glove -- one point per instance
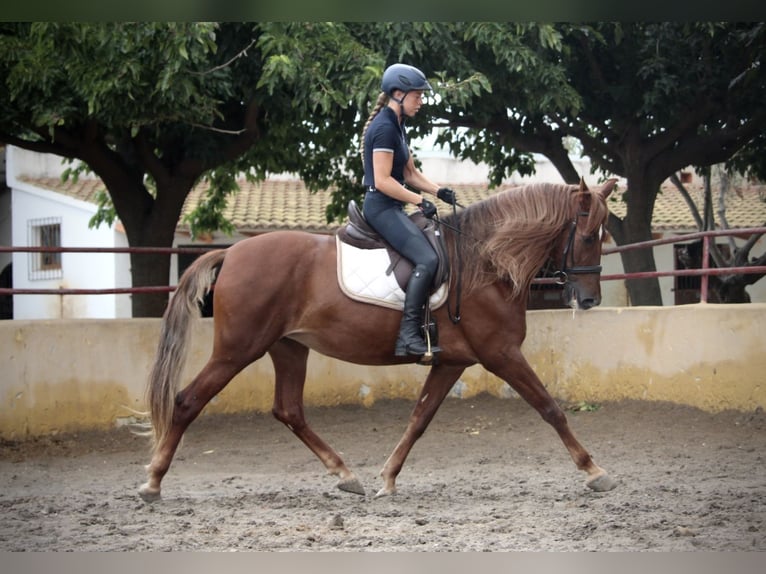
(446, 195)
(428, 208)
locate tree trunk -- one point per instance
(641, 292)
(155, 228)
(149, 270)
(636, 228)
(148, 221)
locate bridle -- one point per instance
(563, 273)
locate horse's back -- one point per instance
(279, 249)
(275, 266)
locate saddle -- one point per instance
(358, 233)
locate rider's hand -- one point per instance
(446, 195)
(428, 208)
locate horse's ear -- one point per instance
(608, 187)
(581, 198)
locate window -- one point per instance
(45, 233)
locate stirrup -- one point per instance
(403, 349)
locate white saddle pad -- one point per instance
(362, 277)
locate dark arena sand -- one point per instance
(488, 475)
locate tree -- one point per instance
(658, 97)
(152, 108)
(645, 100)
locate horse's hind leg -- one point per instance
(518, 374)
(189, 402)
(290, 358)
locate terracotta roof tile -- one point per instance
(745, 207)
(287, 204)
(85, 189)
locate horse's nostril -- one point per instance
(589, 302)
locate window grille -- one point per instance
(45, 233)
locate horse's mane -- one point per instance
(510, 235)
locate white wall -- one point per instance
(5, 224)
(757, 292)
(441, 167)
(24, 162)
(79, 270)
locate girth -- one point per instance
(358, 233)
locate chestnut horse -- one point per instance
(278, 293)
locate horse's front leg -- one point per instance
(290, 358)
(515, 371)
(438, 383)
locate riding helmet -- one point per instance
(405, 78)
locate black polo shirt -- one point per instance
(385, 134)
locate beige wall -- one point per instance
(69, 375)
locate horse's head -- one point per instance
(579, 246)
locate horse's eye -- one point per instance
(590, 239)
(596, 236)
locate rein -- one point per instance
(455, 318)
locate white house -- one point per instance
(40, 210)
(44, 218)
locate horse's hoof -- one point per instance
(601, 483)
(383, 492)
(148, 494)
(351, 485)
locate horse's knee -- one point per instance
(291, 418)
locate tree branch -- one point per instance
(601, 153)
(689, 201)
(249, 133)
(38, 146)
(689, 120)
(710, 149)
(228, 63)
(149, 159)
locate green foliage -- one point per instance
(162, 105)
(208, 214)
(106, 213)
(584, 407)
(117, 74)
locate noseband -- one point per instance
(562, 275)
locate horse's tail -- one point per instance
(163, 383)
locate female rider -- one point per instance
(388, 166)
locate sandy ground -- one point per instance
(489, 475)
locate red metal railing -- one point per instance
(107, 291)
(704, 272)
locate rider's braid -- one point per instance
(379, 105)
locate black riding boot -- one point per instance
(410, 341)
